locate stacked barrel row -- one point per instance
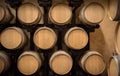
(29, 62)
(60, 13)
(46, 38)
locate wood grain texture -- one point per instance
(12, 38)
(76, 38)
(117, 38)
(29, 62)
(61, 62)
(60, 14)
(113, 68)
(2, 13)
(93, 63)
(90, 13)
(31, 15)
(94, 13)
(26, 68)
(45, 38)
(112, 9)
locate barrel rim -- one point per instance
(4, 12)
(116, 58)
(20, 31)
(55, 22)
(5, 58)
(116, 43)
(86, 56)
(49, 29)
(38, 17)
(71, 30)
(117, 16)
(58, 53)
(30, 53)
(85, 21)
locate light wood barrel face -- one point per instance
(2, 13)
(93, 63)
(113, 9)
(60, 14)
(12, 38)
(45, 38)
(92, 13)
(29, 14)
(98, 64)
(113, 68)
(76, 38)
(61, 62)
(28, 64)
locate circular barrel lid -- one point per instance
(28, 64)
(45, 38)
(94, 13)
(60, 14)
(61, 62)
(76, 38)
(11, 38)
(95, 64)
(28, 13)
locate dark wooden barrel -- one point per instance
(5, 14)
(4, 62)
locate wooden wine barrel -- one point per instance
(117, 38)
(60, 14)
(90, 14)
(92, 62)
(29, 62)
(76, 38)
(4, 62)
(60, 1)
(114, 10)
(5, 14)
(12, 38)
(44, 38)
(61, 62)
(29, 13)
(114, 66)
